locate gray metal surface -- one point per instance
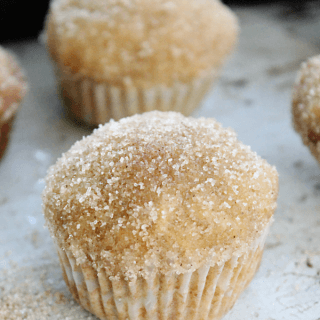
(253, 97)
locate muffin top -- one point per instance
(140, 42)
(158, 192)
(12, 84)
(306, 101)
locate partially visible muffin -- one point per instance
(117, 58)
(306, 105)
(159, 215)
(12, 89)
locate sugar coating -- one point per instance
(306, 104)
(12, 83)
(158, 192)
(140, 42)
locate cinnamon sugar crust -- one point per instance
(306, 104)
(158, 192)
(12, 85)
(138, 42)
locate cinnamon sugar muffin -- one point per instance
(306, 105)
(12, 90)
(159, 216)
(117, 58)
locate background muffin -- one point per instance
(159, 214)
(306, 105)
(118, 58)
(12, 90)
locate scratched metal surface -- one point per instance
(253, 97)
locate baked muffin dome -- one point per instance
(12, 82)
(13, 87)
(158, 192)
(306, 104)
(140, 42)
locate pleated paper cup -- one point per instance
(6, 123)
(206, 293)
(94, 103)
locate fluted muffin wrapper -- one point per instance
(95, 103)
(206, 293)
(6, 123)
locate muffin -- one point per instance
(12, 90)
(115, 58)
(306, 105)
(159, 216)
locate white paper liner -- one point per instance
(9, 114)
(96, 103)
(6, 123)
(207, 293)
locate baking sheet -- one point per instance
(253, 97)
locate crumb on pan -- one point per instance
(140, 42)
(158, 191)
(306, 104)
(31, 293)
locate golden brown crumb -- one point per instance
(138, 41)
(12, 83)
(158, 191)
(306, 104)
